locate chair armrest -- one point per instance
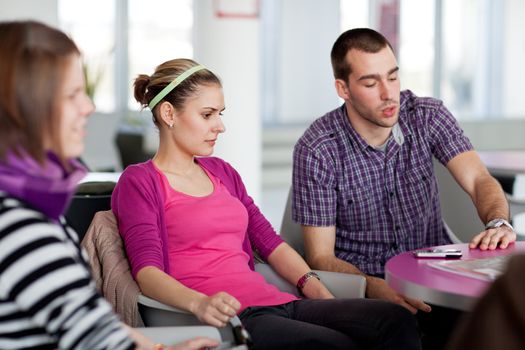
(274, 278)
(152, 303)
(157, 314)
(451, 234)
(172, 335)
(341, 285)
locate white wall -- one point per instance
(496, 134)
(101, 153)
(41, 10)
(513, 58)
(230, 48)
(305, 79)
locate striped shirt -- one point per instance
(382, 202)
(47, 297)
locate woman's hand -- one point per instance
(216, 310)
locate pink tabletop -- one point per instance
(412, 277)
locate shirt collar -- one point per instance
(355, 138)
(404, 109)
(398, 131)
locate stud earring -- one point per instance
(171, 125)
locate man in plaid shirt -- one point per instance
(364, 189)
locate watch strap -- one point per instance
(304, 278)
(495, 223)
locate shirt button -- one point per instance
(398, 227)
(395, 245)
(392, 194)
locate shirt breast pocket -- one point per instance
(358, 208)
(418, 190)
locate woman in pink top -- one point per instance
(190, 227)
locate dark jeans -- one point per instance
(331, 324)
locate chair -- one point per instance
(291, 231)
(173, 335)
(130, 147)
(111, 273)
(457, 208)
(89, 198)
(341, 285)
(178, 334)
(110, 279)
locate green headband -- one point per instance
(174, 84)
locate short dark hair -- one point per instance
(34, 61)
(362, 39)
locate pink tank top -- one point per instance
(205, 236)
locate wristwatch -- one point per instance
(495, 223)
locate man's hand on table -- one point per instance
(377, 288)
(499, 237)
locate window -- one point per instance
(159, 30)
(354, 14)
(416, 49)
(466, 53)
(92, 25)
(148, 32)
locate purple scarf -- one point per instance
(47, 188)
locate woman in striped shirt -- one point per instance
(47, 297)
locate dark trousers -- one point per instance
(437, 326)
(332, 324)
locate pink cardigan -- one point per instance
(138, 204)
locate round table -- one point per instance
(414, 278)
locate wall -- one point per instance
(42, 10)
(514, 56)
(230, 48)
(496, 134)
(101, 152)
(305, 80)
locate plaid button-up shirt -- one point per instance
(382, 203)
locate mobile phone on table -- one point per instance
(438, 253)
